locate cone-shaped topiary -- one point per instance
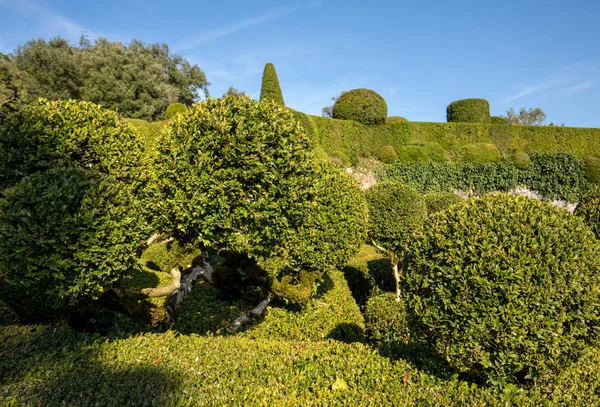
(270, 90)
(362, 105)
(469, 111)
(504, 287)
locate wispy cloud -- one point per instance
(217, 33)
(580, 86)
(52, 22)
(538, 88)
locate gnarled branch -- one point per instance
(256, 312)
(164, 291)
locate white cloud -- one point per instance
(538, 88)
(580, 86)
(217, 33)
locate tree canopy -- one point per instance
(528, 117)
(139, 80)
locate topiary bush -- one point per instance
(439, 201)
(498, 120)
(387, 154)
(522, 160)
(362, 105)
(480, 153)
(65, 235)
(69, 133)
(385, 320)
(395, 119)
(174, 109)
(504, 287)
(422, 152)
(270, 90)
(469, 111)
(592, 168)
(589, 210)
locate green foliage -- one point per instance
(439, 201)
(385, 320)
(368, 273)
(46, 135)
(480, 153)
(11, 87)
(174, 109)
(387, 154)
(522, 160)
(527, 117)
(362, 105)
(422, 152)
(498, 120)
(307, 124)
(339, 157)
(592, 168)
(65, 235)
(270, 90)
(396, 211)
(589, 210)
(139, 80)
(468, 111)
(149, 131)
(504, 287)
(395, 119)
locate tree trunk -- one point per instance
(164, 291)
(256, 312)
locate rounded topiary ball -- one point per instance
(522, 160)
(65, 235)
(504, 287)
(174, 109)
(486, 153)
(387, 154)
(439, 201)
(469, 111)
(589, 210)
(362, 105)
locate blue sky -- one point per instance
(419, 55)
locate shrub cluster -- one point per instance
(469, 111)
(362, 105)
(504, 287)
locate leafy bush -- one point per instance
(592, 168)
(522, 160)
(385, 320)
(480, 153)
(65, 235)
(46, 135)
(422, 152)
(362, 105)
(339, 157)
(387, 154)
(504, 287)
(307, 124)
(174, 109)
(395, 212)
(395, 119)
(439, 201)
(498, 120)
(589, 210)
(149, 131)
(270, 90)
(468, 111)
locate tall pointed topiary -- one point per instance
(270, 90)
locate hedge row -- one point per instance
(54, 366)
(356, 139)
(554, 176)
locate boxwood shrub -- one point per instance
(522, 160)
(589, 210)
(362, 105)
(469, 111)
(504, 287)
(174, 109)
(385, 320)
(480, 153)
(387, 154)
(438, 201)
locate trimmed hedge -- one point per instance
(589, 210)
(339, 157)
(395, 119)
(385, 320)
(387, 154)
(468, 111)
(592, 168)
(422, 152)
(174, 109)
(504, 287)
(362, 105)
(498, 120)
(480, 153)
(270, 90)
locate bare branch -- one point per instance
(165, 291)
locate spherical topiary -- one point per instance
(419, 152)
(395, 212)
(341, 158)
(270, 90)
(498, 120)
(522, 160)
(65, 235)
(175, 109)
(362, 105)
(439, 201)
(395, 119)
(589, 210)
(480, 153)
(385, 320)
(592, 169)
(387, 154)
(68, 133)
(504, 287)
(469, 111)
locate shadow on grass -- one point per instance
(347, 333)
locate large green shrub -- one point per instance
(422, 152)
(504, 287)
(387, 154)
(468, 111)
(439, 201)
(480, 153)
(385, 320)
(362, 105)
(65, 235)
(174, 109)
(592, 168)
(47, 134)
(589, 210)
(522, 160)
(270, 90)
